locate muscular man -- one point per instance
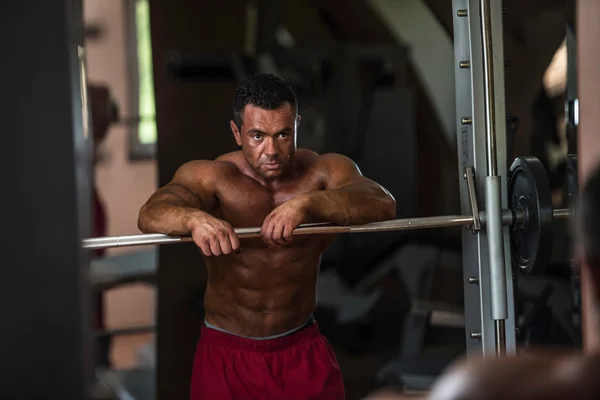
(546, 375)
(260, 339)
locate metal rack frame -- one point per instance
(488, 279)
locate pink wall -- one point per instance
(123, 185)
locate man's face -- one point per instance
(268, 139)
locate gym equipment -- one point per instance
(530, 218)
(430, 323)
(527, 327)
(530, 190)
(306, 229)
(489, 287)
(479, 98)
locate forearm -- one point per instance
(168, 215)
(355, 204)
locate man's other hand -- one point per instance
(278, 226)
(212, 235)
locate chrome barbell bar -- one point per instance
(508, 218)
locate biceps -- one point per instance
(194, 184)
(342, 172)
(349, 182)
(180, 194)
(346, 175)
(352, 180)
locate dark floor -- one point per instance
(360, 370)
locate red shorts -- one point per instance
(301, 365)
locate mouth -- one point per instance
(272, 166)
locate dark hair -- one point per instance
(588, 219)
(264, 90)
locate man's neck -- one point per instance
(271, 183)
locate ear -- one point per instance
(298, 118)
(236, 133)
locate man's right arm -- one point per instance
(182, 207)
(172, 207)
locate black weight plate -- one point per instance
(529, 191)
(571, 182)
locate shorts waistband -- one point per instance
(310, 321)
(300, 335)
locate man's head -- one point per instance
(265, 121)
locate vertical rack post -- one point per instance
(487, 274)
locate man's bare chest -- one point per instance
(245, 203)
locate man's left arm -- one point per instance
(349, 198)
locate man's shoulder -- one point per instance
(224, 164)
(325, 160)
(306, 157)
(332, 163)
(230, 162)
(231, 157)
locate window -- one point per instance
(143, 132)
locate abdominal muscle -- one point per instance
(262, 291)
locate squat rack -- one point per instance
(481, 144)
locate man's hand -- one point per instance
(212, 235)
(277, 228)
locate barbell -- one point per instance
(530, 218)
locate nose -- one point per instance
(271, 148)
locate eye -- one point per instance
(283, 135)
(257, 136)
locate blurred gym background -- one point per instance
(375, 80)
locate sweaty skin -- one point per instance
(263, 286)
